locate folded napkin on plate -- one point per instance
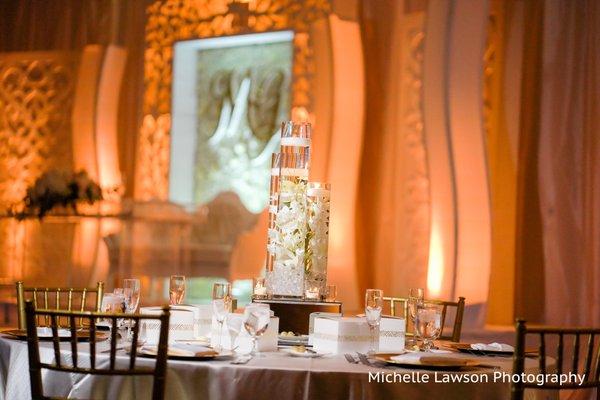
(492, 347)
(417, 358)
(182, 350)
(47, 332)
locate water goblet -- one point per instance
(256, 322)
(234, 325)
(428, 324)
(221, 302)
(176, 289)
(415, 300)
(373, 307)
(111, 303)
(131, 291)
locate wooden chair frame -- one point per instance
(592, 376)
(460, 310)
(159, 371)
(69, 292)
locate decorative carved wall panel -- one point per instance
(170, 21)
(413, 222)
(36, 94)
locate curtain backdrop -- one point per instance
(569, 161)
(558, 205)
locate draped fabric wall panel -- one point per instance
(569, 161)
(558, 200)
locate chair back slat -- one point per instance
(93, 345)
(559, 352)
(597, 367)
(158, 391)
(133, 351)
(73, 340)
(542, 353)
(562, 335)
(159, 370)
(458, 317)
(55, 339)
(113, 347)
(44, 295)
(70, 300)
(33, 353)
(575, 364)
(444, 308)
(588, 356)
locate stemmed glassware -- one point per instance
(373, 307)
(234, 325)
(429, 323)
(256, 322)
(415, 300)
(131, 291)
(221, 302)
(176, 289)
(112, 303)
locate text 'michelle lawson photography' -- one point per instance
(497, 376)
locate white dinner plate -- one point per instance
(306, 354)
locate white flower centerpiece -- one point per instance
(317, 239)
(287, 239)
(298, 232)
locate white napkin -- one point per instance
(412, 357)
(492, 347)
(181, 350)
(46, 332)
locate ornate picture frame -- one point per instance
(170, 21)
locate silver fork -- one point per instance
(350, 358)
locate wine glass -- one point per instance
(415, 299)
(256, 322)
(429, 323)
(112, 303)
(234, 325)
(221, 303)
(131, 291)
(373, 306)
(176, 289)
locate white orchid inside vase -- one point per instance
(287, 240)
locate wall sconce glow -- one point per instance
(435, 269)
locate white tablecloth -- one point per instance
(272, 376)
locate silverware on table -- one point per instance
(364, 359)
(350, 358)
(241, 360)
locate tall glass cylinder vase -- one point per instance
(272, 234)
(296, 139)
(289, 237)
(317, 239)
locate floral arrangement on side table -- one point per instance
(59, 188)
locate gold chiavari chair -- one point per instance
(402, 304)
(158, 371)
(590, 350)
(51, 298)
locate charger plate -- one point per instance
(83, 335)
(181, 354)
(428, 362)
(466, 348)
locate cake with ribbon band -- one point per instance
(333, 334)
(183, 325)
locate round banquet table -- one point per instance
(271, 376)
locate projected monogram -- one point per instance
(170, 21)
